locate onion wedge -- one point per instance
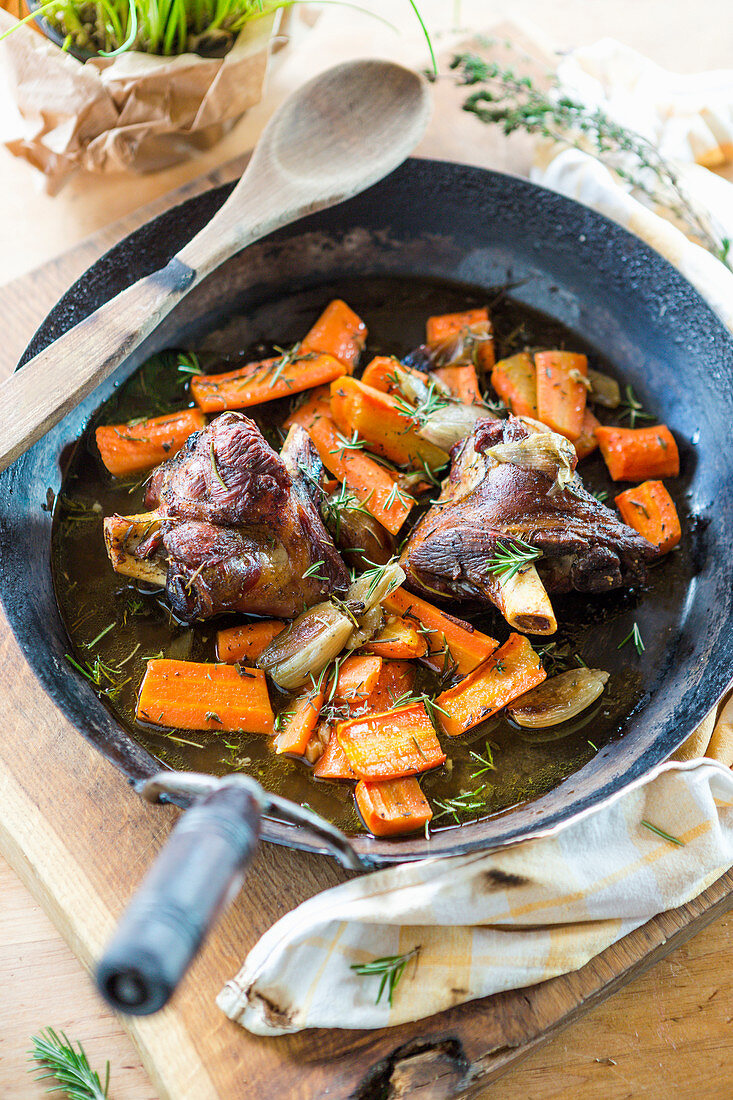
(317, 636)
(558, 699)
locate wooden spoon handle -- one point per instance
(36, 397)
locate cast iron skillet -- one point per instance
(481, 228)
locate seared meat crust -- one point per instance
(240, 527)
(584, 545)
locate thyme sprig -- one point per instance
(391, 968)
(510, 557)
(58, 1060)
(513, 101)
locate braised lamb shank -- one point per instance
(515, 480)
(238, 526)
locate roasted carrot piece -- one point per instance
(379, 373)
(396, 681)
(133, 448)
(333, 762)
(650, 510)
(267, 380)
(446, 325)
(562, 391)
(338, 332)
(371, 484)
(515, 381)
(586, 442)
(357, 678)
(513, 669)
(392, 744)
(376, 418)
(191, 696)
(635, 454)
(462, 383)
(467, 646)
(392, 807)
(296, 732)
(397, 638)
(245, 643)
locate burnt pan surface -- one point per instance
(481, 229)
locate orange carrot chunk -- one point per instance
(513, 669)
(267, 380)
(134, 448)
(357, 679)
(377, 418)
(246, 643)
(392, 744)
(397, 638)
(396, 681)
(650, 510)
(338, 332)
(392, 807)
(586, 442)
(333, 762)
(462, 383)
(515, 381)
(191, 696)
(370, 483)
(301, 722)
(467, 647)
(635, 454)
(562, 391)
(445, 325)
(379, 373)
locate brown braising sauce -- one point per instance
(114, 625)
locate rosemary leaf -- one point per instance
(57, 1059)
(664, 836)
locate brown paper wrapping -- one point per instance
(135, 112)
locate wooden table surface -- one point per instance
(666, 1035)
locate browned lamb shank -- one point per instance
(239, 527)
(515, 480)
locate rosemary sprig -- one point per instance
(634, 636)
(344, 501)
(57, 1059)
(601, 495)
(391, 968)
(344, 444)
(514, 102)
(189, 363)
(665, 836)
(509, 558)
(632, 408)
(474, 802)
(313, 571)
(419, 414)
(484, 763)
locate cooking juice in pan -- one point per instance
(116, 625)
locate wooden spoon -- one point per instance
(334, 137)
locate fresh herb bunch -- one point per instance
(513, 101)
(57, 1059)
(167, 27)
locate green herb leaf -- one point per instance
(57, 1059)
(509, 558)
(391, 968)
(635, 636)
(664, 836)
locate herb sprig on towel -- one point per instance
(514, 101)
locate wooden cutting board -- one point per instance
(80, 839)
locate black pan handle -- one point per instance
(198, 872)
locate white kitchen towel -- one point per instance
(475, 925)
(487, 922)
(688, 118)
